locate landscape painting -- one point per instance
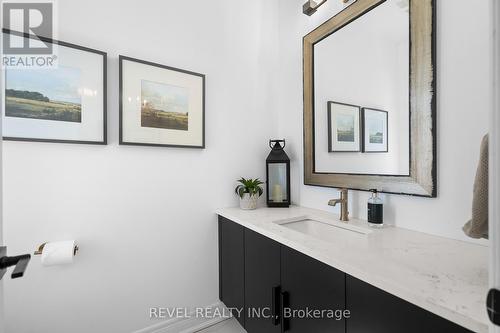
(164, 106)
(51, 94)
(375, 131)
(160, 106)
(343, 127)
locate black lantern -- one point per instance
(277, 175)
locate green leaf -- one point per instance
(251, 186)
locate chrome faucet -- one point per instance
(344, 201)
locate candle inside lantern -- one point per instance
(277, 193)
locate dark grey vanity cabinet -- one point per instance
(309, 284)
(263, 277)
(376, 311)
(232, 266)
(279, 278)
(262, 283)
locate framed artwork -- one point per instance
(343, 127)
(161, 105)
(375, 131)
(64, 103)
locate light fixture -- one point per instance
(310, 7)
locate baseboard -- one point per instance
(191, 324)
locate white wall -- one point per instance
(144, 216)
(463, 65)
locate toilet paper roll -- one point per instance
(58, 253)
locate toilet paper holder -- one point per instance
(40, 249)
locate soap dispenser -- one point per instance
(375, 210)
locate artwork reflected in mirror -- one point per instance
(375, 130)
(343, 127)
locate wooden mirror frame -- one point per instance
(422, 177)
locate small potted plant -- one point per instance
(249, 191)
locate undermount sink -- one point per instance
(324, 229)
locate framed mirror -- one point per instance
(370, 98)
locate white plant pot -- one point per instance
(249, 201)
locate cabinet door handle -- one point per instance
(276, 308)
(285, 303)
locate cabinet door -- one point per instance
(231, 266)
(262, 281)
(310, 284)
(376, 311)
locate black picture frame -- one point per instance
(104, 141)
(330, 130)
(363, 130)
(149, 63)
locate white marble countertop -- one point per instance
(444, 276)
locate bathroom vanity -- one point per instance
(370, 123)
(389, 280)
